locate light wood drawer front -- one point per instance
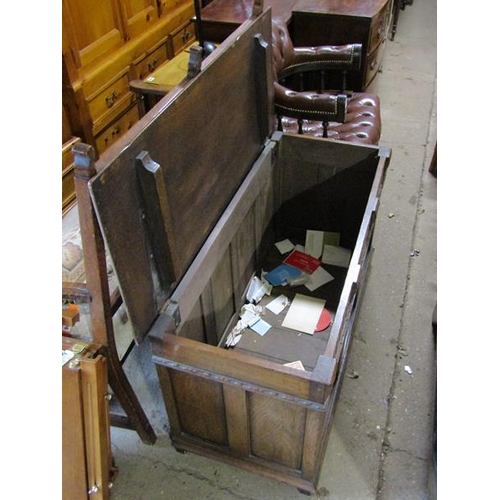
(117, 111)
(68, 186)
(117, 129)
(108, 98)
(68, 173)
(151, 62)
(67, 153)
(378, 30)
(182, 38)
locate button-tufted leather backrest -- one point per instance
(282, 46)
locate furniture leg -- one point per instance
(135, 418)
(397, 6)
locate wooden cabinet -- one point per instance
(68, 141)
(118, 128)
(138, 15)
(86, 448)
(68, 174)
(182, 38)
(92, 29)
(106, 44)
(195, 255)
(221, 17)
(155, 58)
(339, 22)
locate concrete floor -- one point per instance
(380, 446)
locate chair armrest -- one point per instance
(309, 105)
(333, 57)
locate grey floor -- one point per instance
(380, 446)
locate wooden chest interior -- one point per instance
(191, 203)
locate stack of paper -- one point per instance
(304, 313)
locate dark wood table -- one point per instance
(221, 17)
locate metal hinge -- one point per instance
(94, 489)
(174, 312)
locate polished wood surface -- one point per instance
(87, 39)
(139, 16)
(364, 8)
(221, 17)
(237, 11)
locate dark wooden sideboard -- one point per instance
(317, 22)
(339, 22)
(221, 17)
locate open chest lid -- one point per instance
(163, 186)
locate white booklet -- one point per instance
(304, 313)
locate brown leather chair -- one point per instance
(335, 114)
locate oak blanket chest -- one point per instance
(192, 202)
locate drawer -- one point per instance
(109, 98)
(68, 187)
(378, 29)
(182, 38)
(147, 65)
(67, 155)
(68, 174)
(374, 63)
(117, 129)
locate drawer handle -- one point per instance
(110, 100)
(186, 36)
(115, 131)
(373, 64)
(152, 65)
(381, 25)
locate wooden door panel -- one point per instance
(74, 469)
(200, 406)
(138, 15)
(277, 430)
(95, 28)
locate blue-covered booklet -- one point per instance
(282, 274)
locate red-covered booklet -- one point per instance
(302, 261)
